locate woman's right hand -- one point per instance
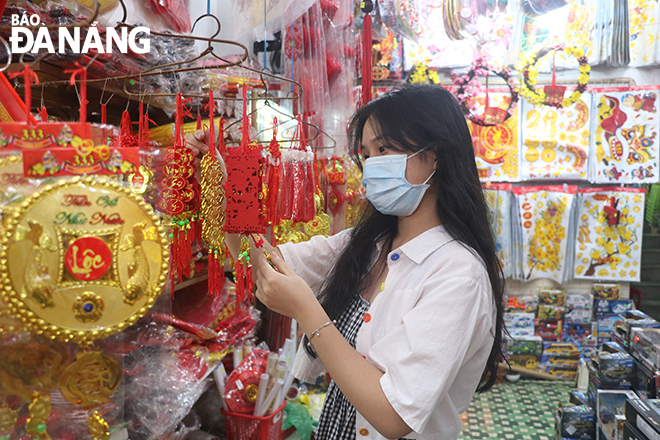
(198, 142)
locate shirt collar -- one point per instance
(424, 244)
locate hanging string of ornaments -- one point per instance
(552, 95)
(468, 87)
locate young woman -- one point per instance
(405, 310)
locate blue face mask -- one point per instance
(388, 190)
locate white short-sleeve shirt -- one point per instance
(430, 333)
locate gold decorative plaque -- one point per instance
(82, 259)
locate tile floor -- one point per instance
(520, 411)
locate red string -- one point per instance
(28, 77)
(553, 67)
(366, 58)
(212, 125)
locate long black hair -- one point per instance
(413, 118)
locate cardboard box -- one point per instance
(521, 304)
(645, 416)
(529, 345)
(615, 370)
(578, 422)
(613, 307)
(583, 301)
(630, 432)
(550, 297)
(646, 347)
(611, 407)
(606, 291)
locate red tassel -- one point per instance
(104, 114)
(125, 128)
(366, 58)
(249, 283)
(43, 114)
(240, 282)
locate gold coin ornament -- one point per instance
(82, 259)
(90, 379)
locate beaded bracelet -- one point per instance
(316, 332)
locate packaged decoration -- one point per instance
(555, 141)
(544, 232)
(499, 197)
(625, 143)
(609, 235)
(496, 146)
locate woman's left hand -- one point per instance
(281, 290)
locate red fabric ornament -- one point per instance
(243, 187)
(298, 185)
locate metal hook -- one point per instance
(4, 42)
(42, 96)
(217, 22)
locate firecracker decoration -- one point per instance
(273, 178)
(468, 87)
(298, 183)
(178, 198)
(212, 211)
(82, 259)
(552, 95)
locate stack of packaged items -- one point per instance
(610, 310)
(578, 326)
(523, 347)
(552, 305)
(560, 359)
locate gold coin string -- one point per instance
(212, 200)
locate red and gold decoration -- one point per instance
(212, 211)
(243, 189)
(553, 94)
(273, 179)
(178, 197)
(82, 259)
(469, 87)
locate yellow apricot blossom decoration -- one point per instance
(529, 74)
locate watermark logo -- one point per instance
(24, 39)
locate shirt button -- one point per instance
(364, 432)
(394, 257)
(366, 317)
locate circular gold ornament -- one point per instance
(90, 379)
(78, 244)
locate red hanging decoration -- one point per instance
(244, 197)
(554, 94)
(273, 178)
(176, 196)
(212, 199)
(43, 114)
(366, 58)
(104, 114)
(298, 186)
